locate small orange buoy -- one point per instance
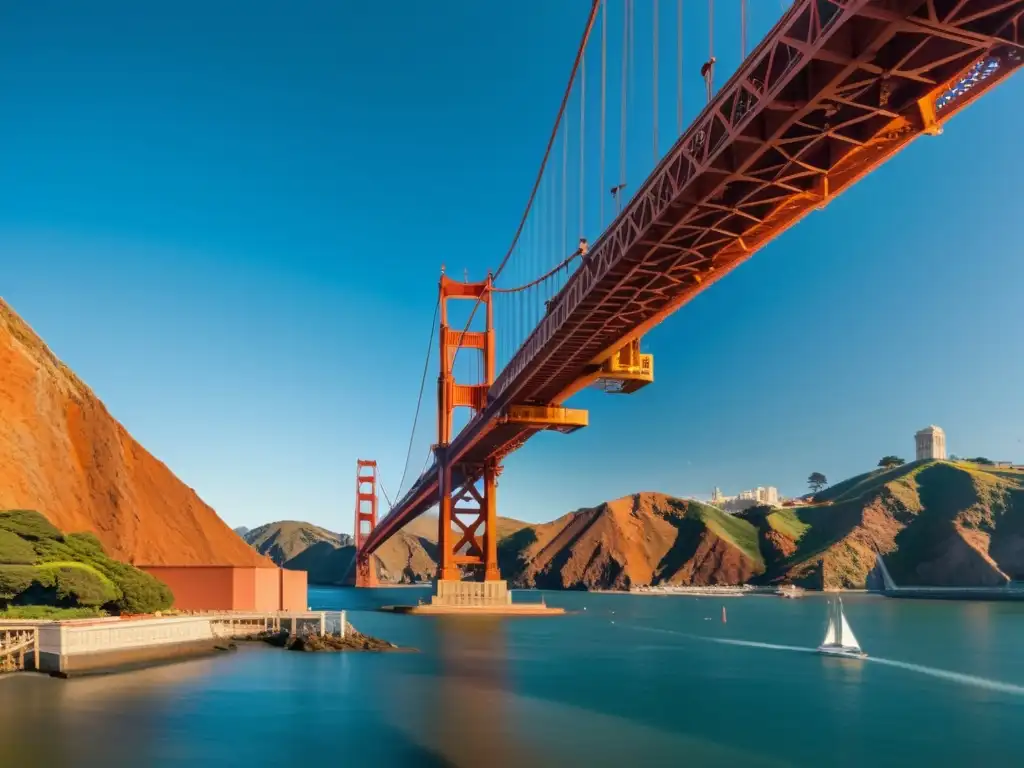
(723, 615)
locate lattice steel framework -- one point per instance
(366, 520)
(836, 89)
(467, 505)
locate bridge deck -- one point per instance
(835, 89)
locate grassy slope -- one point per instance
(788, 523)
(627, 541)
(935, 522)
(734, 530)
(969, 517)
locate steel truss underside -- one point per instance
(836, 89)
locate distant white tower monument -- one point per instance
(931, 443)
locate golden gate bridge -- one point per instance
(835, 89)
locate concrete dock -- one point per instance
(91, 646)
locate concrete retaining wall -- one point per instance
(68, 647)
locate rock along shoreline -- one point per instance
(354, 640)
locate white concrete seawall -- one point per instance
(94, 645)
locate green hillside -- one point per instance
(737, 531)
(43, 570)
(936, 523)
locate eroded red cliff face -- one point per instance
(646, 538)
(63, 454)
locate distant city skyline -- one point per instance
(768, 495)
(237, 248)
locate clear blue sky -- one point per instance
(228, 218)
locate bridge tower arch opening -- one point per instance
(366, 520)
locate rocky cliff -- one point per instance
(63, 454)
(646, 538)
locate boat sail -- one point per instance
(839, 637)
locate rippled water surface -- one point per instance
(623, 680)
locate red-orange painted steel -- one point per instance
(836, 89)
(463, 507)
(366, 520)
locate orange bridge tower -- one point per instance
(366, 520)
(467, 530)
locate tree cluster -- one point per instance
(41, 566)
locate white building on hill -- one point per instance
(930, 443)
(768, 495)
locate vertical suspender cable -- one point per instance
(710, 71)
(654, 88)
(743, 28)
(591, 18)
(565, 173)
(419, 399)
(711, 32)
(624, 99)
(631, 8)
(583, 142)
(679, 67)
(604, 102)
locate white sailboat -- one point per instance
(839, 638)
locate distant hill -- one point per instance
(283, 540)
(241, 530)
(936, 523)
(62, 453)
(646, 538)
(408, 557)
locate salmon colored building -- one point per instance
(232, 587)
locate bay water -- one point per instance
(638, 680)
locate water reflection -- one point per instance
(660, 686)
(108, 717)
(459, 713)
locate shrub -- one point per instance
(14, 550)
(29, 524)
(140, 592)
(79, 585)
(85, 545)
(14, 580)
(72, 570)
(16, 612)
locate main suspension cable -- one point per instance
(419, 399)
(560, 265)
(591, 18)
(385, 492)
